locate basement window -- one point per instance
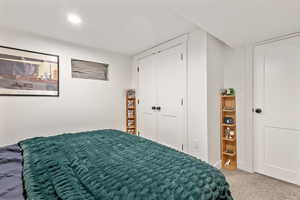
(89, 70)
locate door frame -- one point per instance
(180, 40)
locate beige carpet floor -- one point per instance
(247, 186)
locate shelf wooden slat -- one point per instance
(230, 140)
(229, 154)
(229, 125)
(224, 110)
(227, 96)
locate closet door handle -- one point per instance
(258, 110)
(153, 108)
(158, 108)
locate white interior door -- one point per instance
(162, 84)
(147, 98)
(171, 82)
(277, 93)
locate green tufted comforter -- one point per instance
(112, 165)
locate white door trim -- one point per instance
(248, 164)
(276, 39)
(163, 46)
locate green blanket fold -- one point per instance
(112, 165)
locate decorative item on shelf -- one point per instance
(131, 123)
(227, 163)
(223, 91)
(231, 134)
(131, 94)
(130, 103)
(227, 91)
(228, 129)
(228, 120)
(130, 112)
(230, 91)
(227, 132)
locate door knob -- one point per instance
(153, 108)
(158, 108)
(258, 110)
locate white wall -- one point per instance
(207, 59)
(197, 94)
(237, 75)
(83, 104)
(216, 56)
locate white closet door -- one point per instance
(147, 98)
(277, 93)
(171, 87)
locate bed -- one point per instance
(105, 164)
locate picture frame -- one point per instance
(28, 73)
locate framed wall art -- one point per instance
(28, 73)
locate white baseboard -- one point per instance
(243, 166)
(217, 164)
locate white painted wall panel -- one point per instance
(216, 52)
(197, 94)
(83, 104)
(237, 74)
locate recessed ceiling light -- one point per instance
(74, 19)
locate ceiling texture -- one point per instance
(131, 26)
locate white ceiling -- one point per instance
(239, 22)
(120, 28)
(130, 26)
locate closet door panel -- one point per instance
(171, 79)
(147, 98)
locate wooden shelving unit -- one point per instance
(130, 112)
(228, 132)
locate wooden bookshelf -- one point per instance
(130, 112)
(228, 134)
